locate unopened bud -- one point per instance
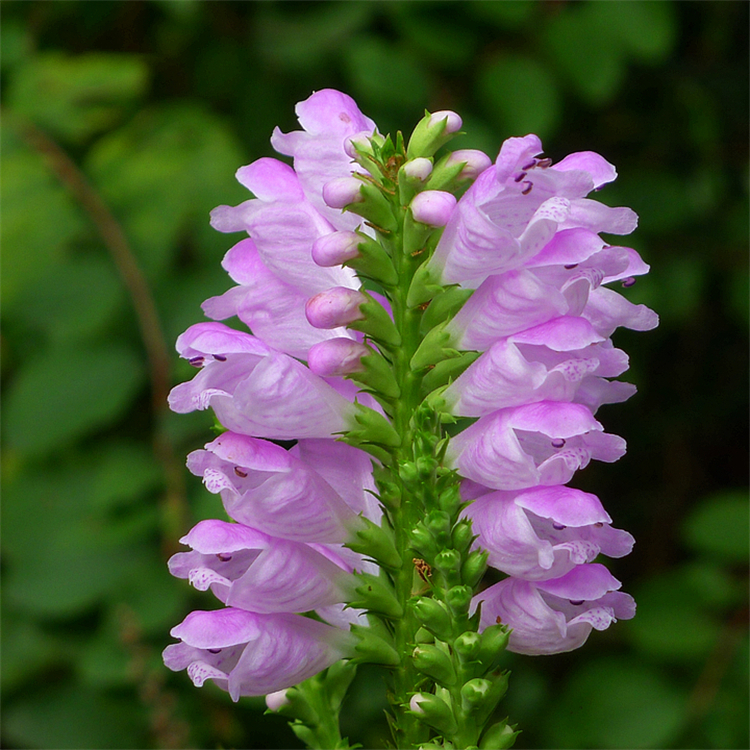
(336, 248)
(357, 144)
(431, 132)
(434, 616)
(433, 662)
(433, 711)
(342, 192)
(475, 162)
(474, 693)
(334, 357)
(277, 700)
(453, 121)
(418, 169)
(458, 599)
(467, 645)
(335, 307)
(433, 207)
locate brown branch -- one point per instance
(113, 236)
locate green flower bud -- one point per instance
(426, 467)
(438, 522)
(474, 567)
(498, 737)
(467, 646)
(435, 663)
(423, 636)
(475, 693)
(434, 712)
(458, 599)
(448, 561)
(431, 132)
(421, 540)
(463, 535)
(494, 642)
(434, 616)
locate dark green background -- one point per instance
(157, 104)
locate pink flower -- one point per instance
(550, 617)
(246, 653)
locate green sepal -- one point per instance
(376, 542)
(372, 648)
(375, 594)
(338, 678)
(498, 737)
(435, 712)
(425, 285)
(377, 375)
(432, 661)
(439, 376)
(444, 176)
(427, 138)
(438, 523)
(422, 541)
(480, 696)
(468, 646)
(444, 306)
(298, 707)
(494, 642)
(448, 562)
(389, 491)
(408, 187)
(372, 427)
(375, 208)
(377, 324)
(416, 234)
(458, 599)
(304, 733)
(435, 347)
(434, 616)
(373, 262)
(463, 535)
(475, 694)
(474, 567)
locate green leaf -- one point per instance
(65, 394)
(387, 76)
(162, 174)
(72, 301)
(39, 221)
(70, 716)
(672, 623)
(627, 705)
(75, 97)
(295, 41)
(521, 95)
(720, 527)
(586, 52)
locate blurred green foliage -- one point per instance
(157, 104)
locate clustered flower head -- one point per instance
(509, 293)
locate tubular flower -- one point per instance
(292, 510)
(525, 237)
(494, 313)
